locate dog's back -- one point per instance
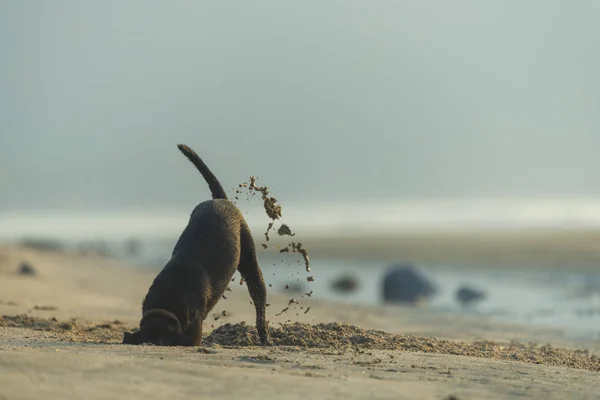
(208, 250)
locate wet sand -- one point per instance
(60, 332)
(530, 248)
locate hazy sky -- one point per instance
(321, 99)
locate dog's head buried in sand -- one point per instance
(215, 242)
(161, 328)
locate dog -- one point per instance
(215, 242)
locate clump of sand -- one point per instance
(298, 248)
(272, 209)
(334, 336)
(274, 212)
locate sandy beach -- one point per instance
(60, 332)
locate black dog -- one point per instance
(215, 242)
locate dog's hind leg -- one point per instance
(251, 273)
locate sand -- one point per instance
(67, 346)
(527, 248)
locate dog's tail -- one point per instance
(213, 183)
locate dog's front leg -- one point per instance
(250, 271)
(195, 331)
(259, 296)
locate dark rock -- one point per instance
(466, 295)
(345, 284)
(405, 284)
(26, 269)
